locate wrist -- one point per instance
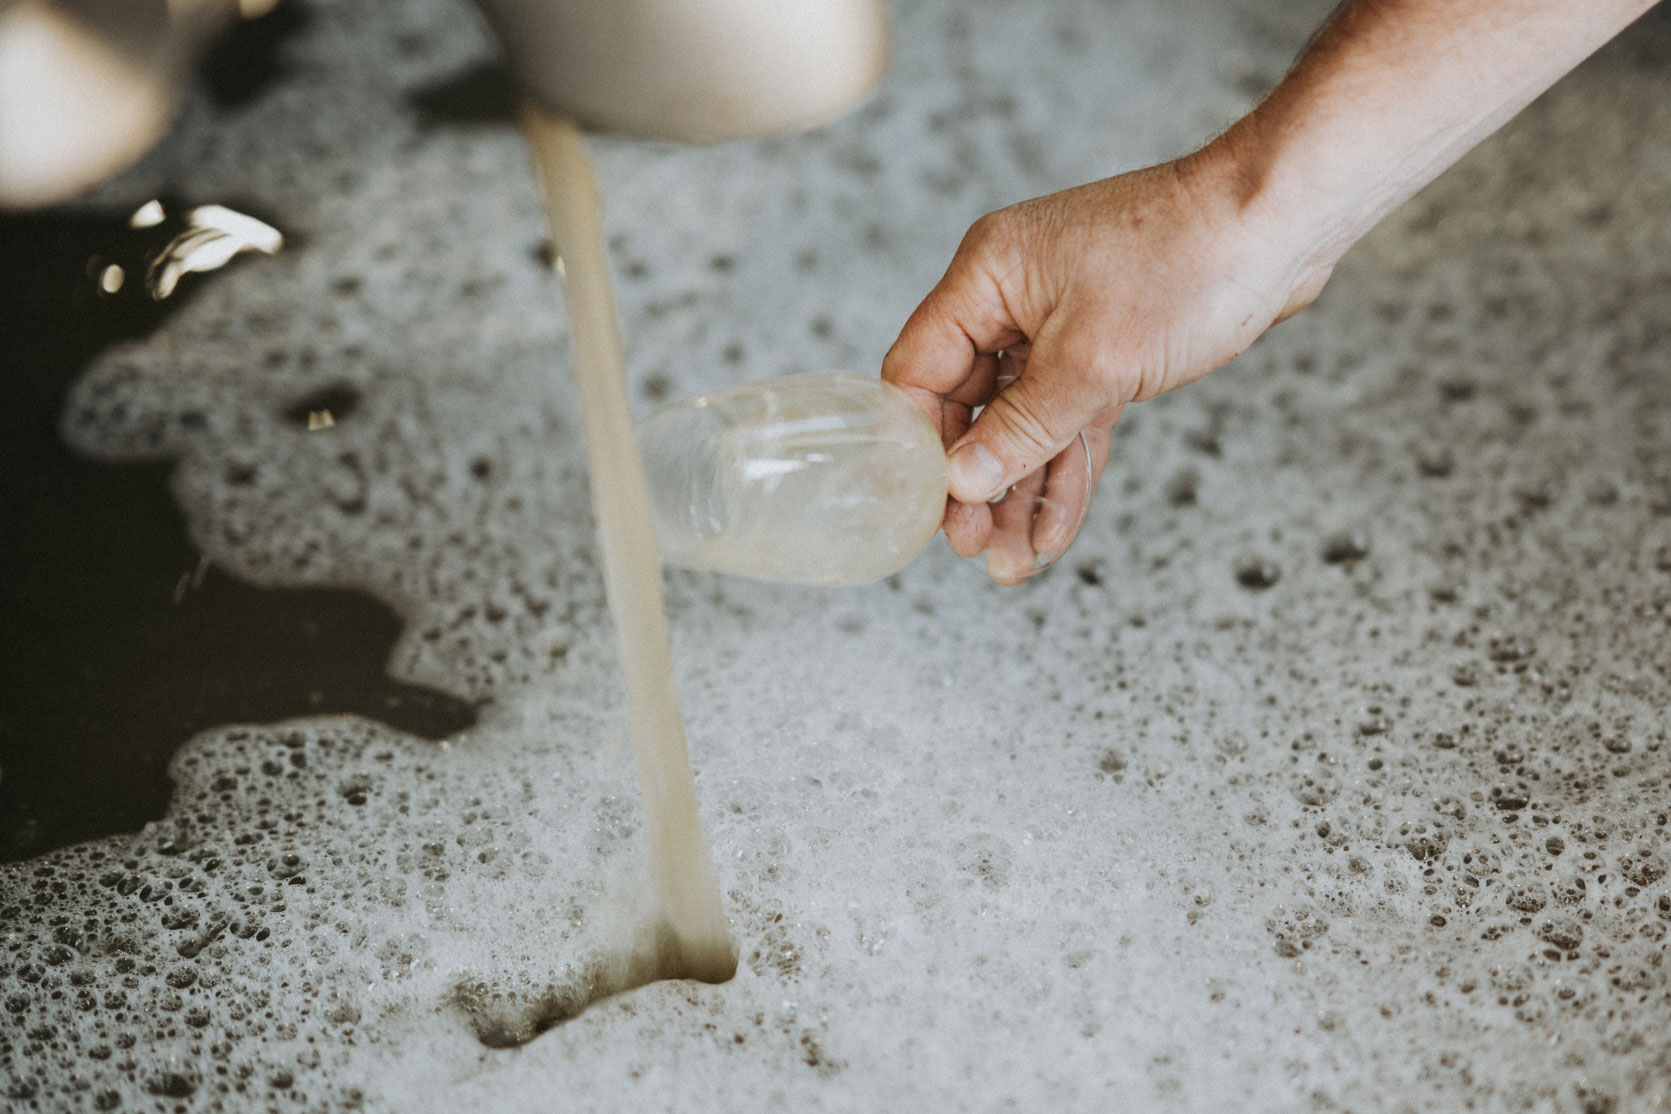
(1280, 240)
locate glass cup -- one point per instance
(829, 478)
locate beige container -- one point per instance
(697, 70)
(87, 87)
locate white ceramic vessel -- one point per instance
(697, 70)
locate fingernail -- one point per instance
(975, 473)
(1002, 569)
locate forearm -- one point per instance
(1389, 94)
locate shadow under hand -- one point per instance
(116, 643)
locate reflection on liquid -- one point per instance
(117, 642)
(212, 236)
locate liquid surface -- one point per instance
(829, 478)
(119, 639)
(691, 941)
(1111, 840)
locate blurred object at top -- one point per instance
(87, 86)
(695, 70)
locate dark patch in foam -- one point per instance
(504, 1016)
(248, 57)
(338, 400)
(116, 642)
(510, 1017)
(481, 94)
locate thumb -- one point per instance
(1024, 426)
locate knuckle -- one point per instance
(985, 237)
(1026, 425)
(1123, 378)
(985, 228)
(1148, 383)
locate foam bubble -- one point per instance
(1097, 840)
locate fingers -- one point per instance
(1037, 519)
(968, 527)
(1067, 496)
(1012, 362)
(963, 349)
(1030, 421)
(1073, 479)
(951, 416)
(1010, 556)
(946, 355)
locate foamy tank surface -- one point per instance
(826, 478)
(1327, 771)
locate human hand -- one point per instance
(1057, 312)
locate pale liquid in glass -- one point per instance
(830, 478)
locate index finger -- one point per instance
(946, 355)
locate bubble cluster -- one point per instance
(1388, 832)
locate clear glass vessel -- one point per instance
(828, 478)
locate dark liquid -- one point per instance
(117, 644)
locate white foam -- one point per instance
(1041, 847)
